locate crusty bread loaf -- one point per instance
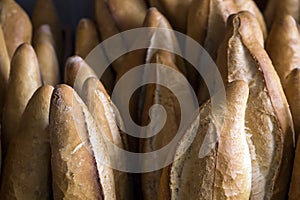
(127, 14)
(157, 94)
(47, 57)
(77, 72)
(87, 37)
(26, 170)
(16, 25)
(212, 17)
(78, 150)
(107, 117)
(283, 46)
(4, 70)
(24, 79)
(175, 10)
(294, 186)
(276, 9)
(225, 171)
(45, 12)
(268, 118)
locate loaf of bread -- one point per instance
(16, 25)
(4, 70)
(283, 46)
(79, 156)
(268, 118)
(43, 43)
(225, 171)
(26, 169)
(45, 12)
(24, 79)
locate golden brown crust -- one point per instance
(283, 46)
(294, 187)
(225, 171)
(45, 13)
(268, 119)
(26, 171)
(86, 37)
(47, 58)
(276, 9)
(156, 94)
(24, 79)
(4, 70)
(175, 10)
(78, 150)
(77, 72)
(101, 108)
(16, 25)
(127, 14)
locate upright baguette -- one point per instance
(45, 13)
(127, 14)
(225, 172)
(283, 46)
(294, 187)
(47, 57)
(26, 171)
(175, 10)
(107, 117)
(77, 72)
(4, 70)
(277, 9)
(86, 37)
(78, 150)
(24, 79)
(156, 94)
(16, 25)
(268, 118)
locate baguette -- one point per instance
(294, 187)
(107, 117)
(268, 118)
(4, 70)
(284, 35)
(16, 25)
(225, 172)
(26, 171)
(175, 10)
(47, 57)
(24, 79)
(78, 150)
(77, 72)
(156, 94)
(276, 9)
(86, 37)
(45, 12)
(127, 14)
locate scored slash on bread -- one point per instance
(108, 119)
(268, 119)
(26, 169)
(79, 154)
(225, 172)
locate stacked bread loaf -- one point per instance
(63, 130)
